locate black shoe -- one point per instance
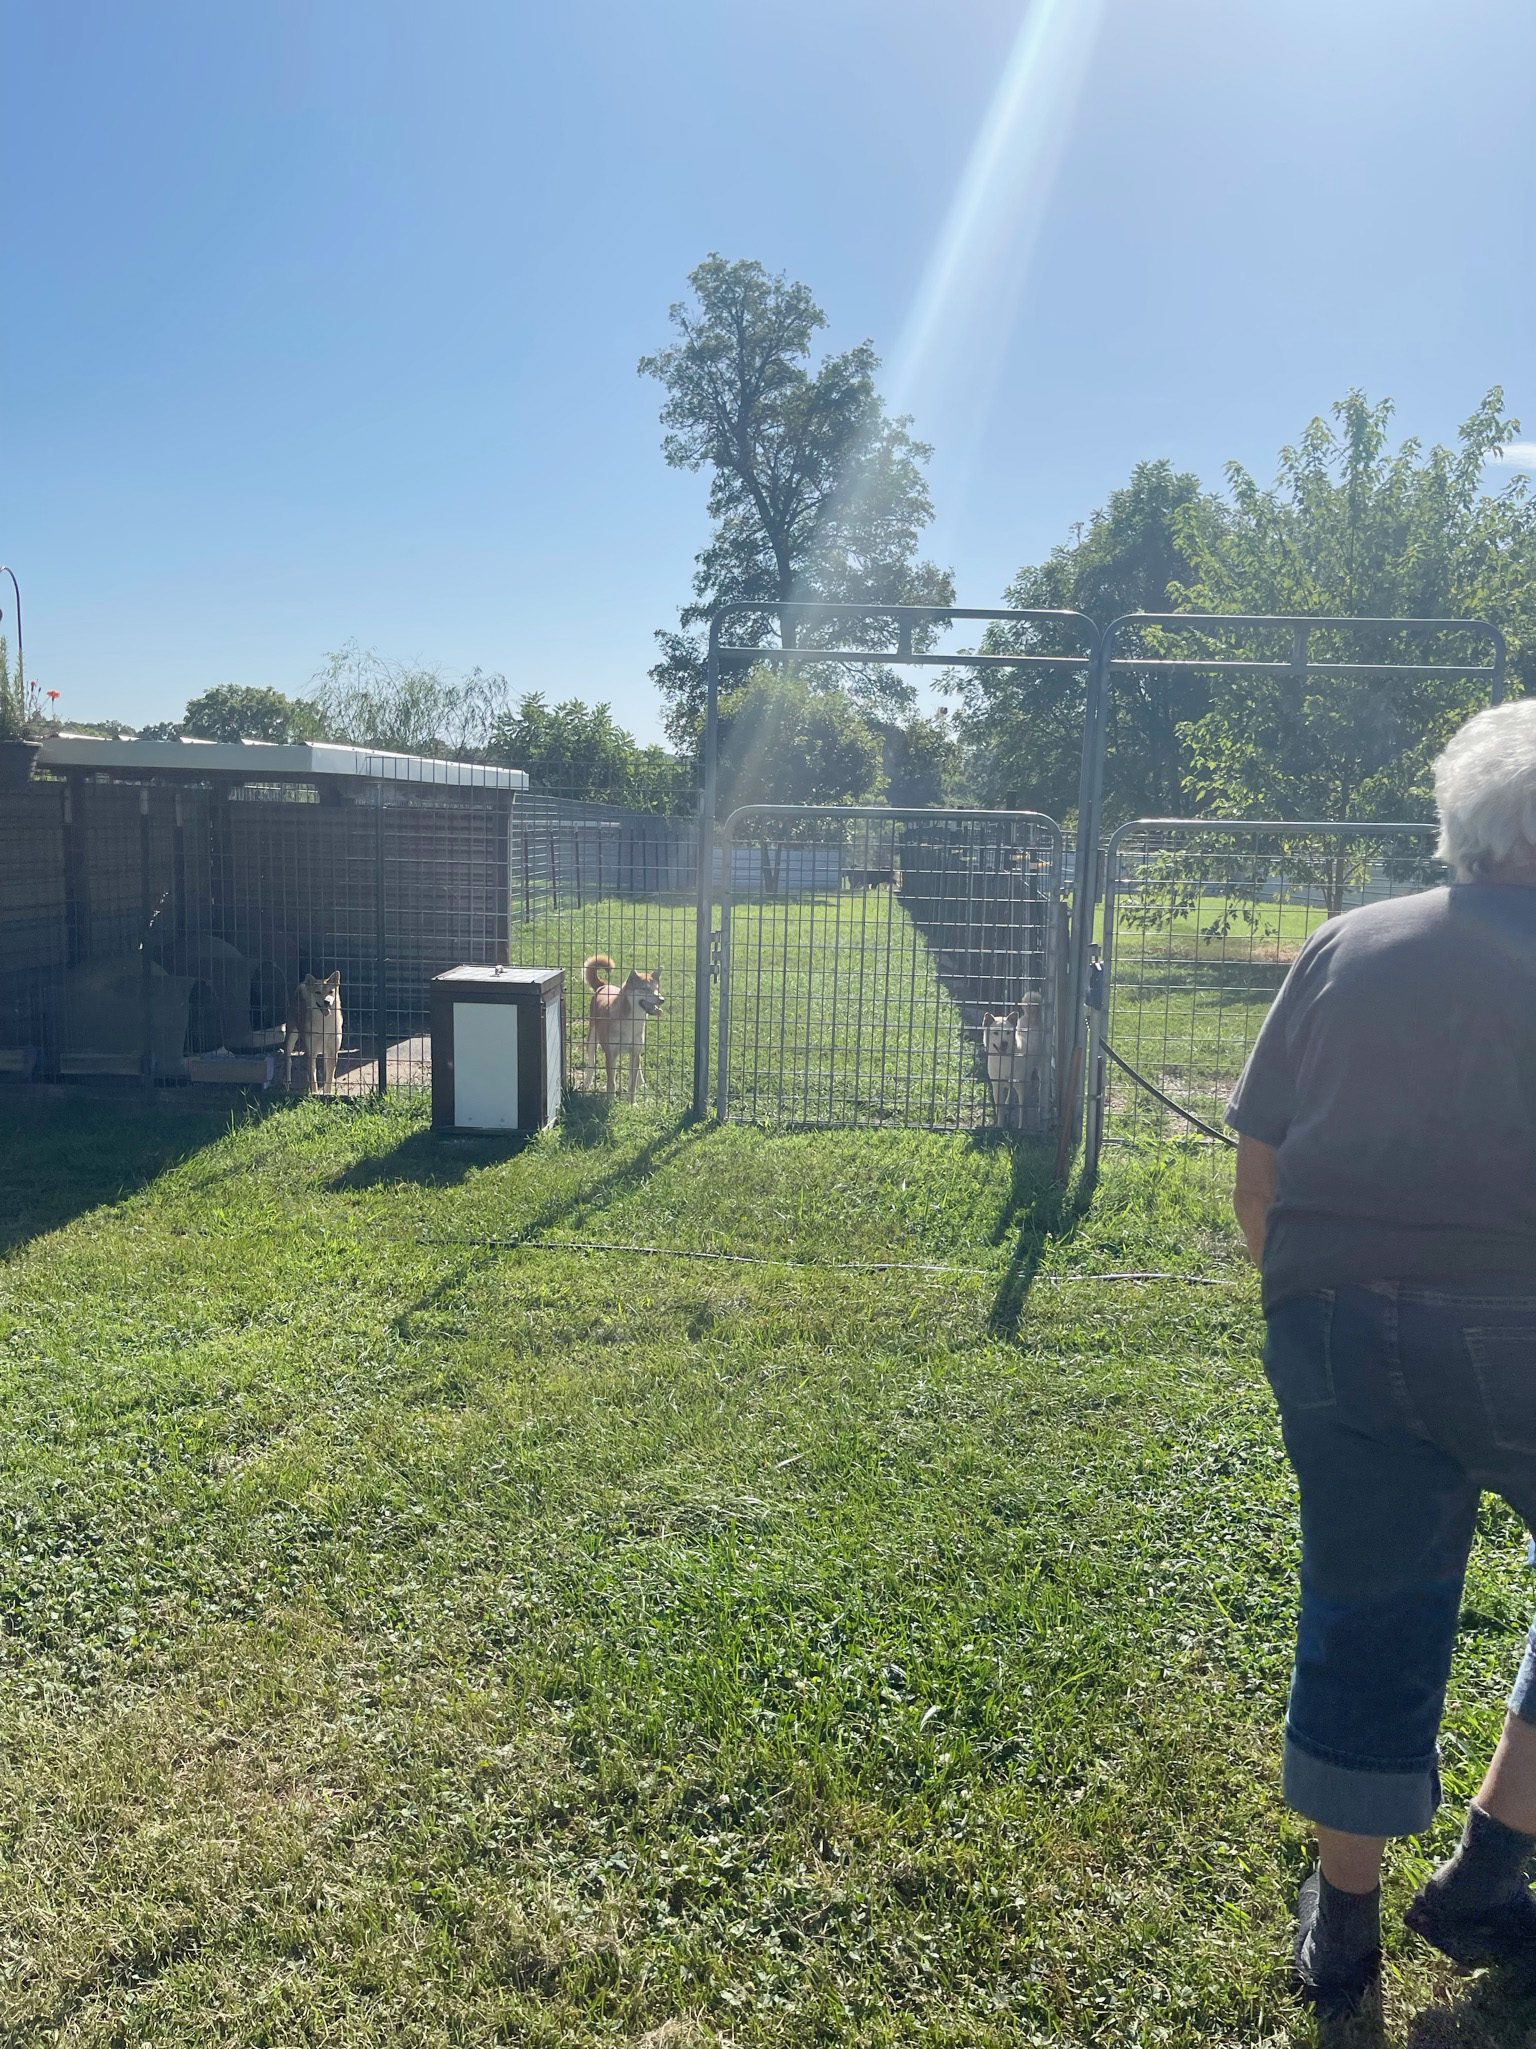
(1331, 1993)
(1504, 1934)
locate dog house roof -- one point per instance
(268, 761)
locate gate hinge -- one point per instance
(716, 942)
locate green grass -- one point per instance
(423, 1628)
(839, 1013)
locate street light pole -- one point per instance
(21, 661)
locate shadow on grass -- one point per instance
(64, 1158)
(574, 1207)
(1036, 1211)
(429, 1160)
(1497, 2011)
(441, 1159)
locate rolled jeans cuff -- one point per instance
(1522, 1701)
(1358, 1800)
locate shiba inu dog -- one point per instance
(1011, 1041)
(618, 1018)
(312, 1029)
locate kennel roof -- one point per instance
(268, 761)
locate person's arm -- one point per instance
(1255, 1191)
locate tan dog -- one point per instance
(313, 1030)
(1011, 1041)
(618, 1018)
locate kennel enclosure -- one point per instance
(161, 900)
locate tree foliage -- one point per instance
(815, 491)
(784, 740)
(242, 711)
(1022, 729)
(406, 709)
(1354, 528)
(580, 750)
(13, 698)
(922, 760)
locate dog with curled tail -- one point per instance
(619, 1014)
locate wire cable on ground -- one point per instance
(531, 1243)
(1178, 1109)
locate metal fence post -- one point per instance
(723, 1049)
(704, 894)
(380, 948)
(146, 919)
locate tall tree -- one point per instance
(815, 491)
(404, 708)
(784, 741)
(922, 760)
(242, 711)
(1022, 728)
(580, 750)
(1354, 528)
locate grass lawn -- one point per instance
(839, 1015)
(423, 1627)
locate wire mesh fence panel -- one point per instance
(862, 955)
(597, 881)
(34, 928)
(444, 873)
(1201, 923)
(166, 932)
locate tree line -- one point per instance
(817, 492)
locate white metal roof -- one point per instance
(270, 761)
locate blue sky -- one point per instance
(320, 320)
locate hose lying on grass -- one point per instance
(1178, 1109)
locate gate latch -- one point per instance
(716, 946)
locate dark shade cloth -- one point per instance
(1395, 1075)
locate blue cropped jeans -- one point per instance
(1400, 1405)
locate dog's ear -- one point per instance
(987, 1019)
(333, 979)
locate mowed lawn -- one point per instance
(838, 1014)
(427, 1624)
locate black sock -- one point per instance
(1346, 1931)
(1488, 1868)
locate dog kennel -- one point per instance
(160, 901)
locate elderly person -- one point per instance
(1386, 1184)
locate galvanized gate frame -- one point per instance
(1098, 656)
(791, 614)
(725, 841)
(1087, 881)
(1097, 1069)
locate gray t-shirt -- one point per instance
(1396, 1077)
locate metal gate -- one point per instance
(1202, 919)
(860, 950)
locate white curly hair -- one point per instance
(1485, 790)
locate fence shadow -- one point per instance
(1036, 1211)
(64, 1158)
(429, 1160)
